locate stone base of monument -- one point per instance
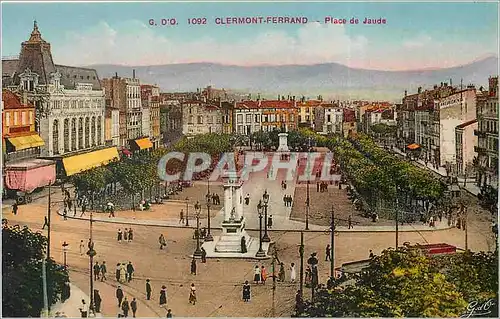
(229, 243)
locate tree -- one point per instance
(402, 283)
(22, 290)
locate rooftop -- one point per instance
(13, 101)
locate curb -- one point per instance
(111, 221)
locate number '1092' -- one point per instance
(197, 21)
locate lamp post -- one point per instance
(187, 212)
(307, 206)
(91, 253)
(197, 210)
(265, 199)
(260, 252)
(65, 250)
(208, 236)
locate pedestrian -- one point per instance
(181, 217)
(119, 295)
(328, 253)
(193, 266)
(349, 222)
(125, 307)
(169, 313)
(284, 185)
(263, 275)
(123, 273)
(130, 235)
(103, 271)
(270, 221)
(133, 306)
(162, 241)
(15, 208)
(284, 199)
(97, 268)
(97, 301)
(256, 276)
(111, 209)
(82, 247)
(119, 235)
(298, 302)
(317, 187)
(148, 290)
(246, 291)
(84, 207)
(203, 255)
(192, 295)
(371, 254)
(69, 204)
(163, 296)
(281, 273)
(293, 273)
(247, 199)
(118, 268)
(45, 222)
(218, 199)
(130, 271)
(84, 309)
(125, 234)
(90, 244)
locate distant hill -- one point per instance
(332, 80)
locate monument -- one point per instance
(234, 241)
(283, 143)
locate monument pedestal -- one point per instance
(230, 241)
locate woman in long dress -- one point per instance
(246, 291)
(192, 295)
(256, 277)
(281, 274)
(293, 273)
(263, 275)
(123, 273)
(163, 296)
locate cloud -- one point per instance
(135, 43)
(418, 42)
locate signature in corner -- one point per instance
(477, 309)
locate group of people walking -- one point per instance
(124, 272)
(287, 200)
(322, 187)
(126, 235)
(124, 305)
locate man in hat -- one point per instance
(119, 295)
(148, 290)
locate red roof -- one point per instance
(349, 115)
(13, 101)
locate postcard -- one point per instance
(250, 159)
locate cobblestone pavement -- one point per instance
(218, 281)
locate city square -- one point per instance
(289, 165)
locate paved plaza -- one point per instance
(219, 281)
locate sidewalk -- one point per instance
(295, 226)
(70, 307)
(471, 187)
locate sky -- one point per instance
(416, 35)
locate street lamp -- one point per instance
(65, 250)
(187, 212)
(91, 253)
(260, 252)
(197, 210)
(208, 236)
(265, 198)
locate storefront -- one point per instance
(82, 162)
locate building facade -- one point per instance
(150, 95)
(279, 115)
(487, 135)
(465, 143)
(69, 101)
(247, 117)
(199, 117)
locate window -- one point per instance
(257, 118)
(23, 118)
(66, 135)
(15, 118)
(200, 119)
(239, 118)
(248, 118)
(73, 135)
(7, 118)
(80, 133)
(55, 137)
(87, 132)
(272, 117)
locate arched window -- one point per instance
(66, 135)
(99, 128)
(73, 135)
(93, 130)
(87, 132)
(80, 133)
(55, 137)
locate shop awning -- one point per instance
(79, 163)
(413, 146)
(28, 141)
(144, 143)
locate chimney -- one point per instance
(133, 73)
(116, 75)
(25, 97)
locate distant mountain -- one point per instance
(332, 80)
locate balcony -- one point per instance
(479, 133)
(479, 150)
